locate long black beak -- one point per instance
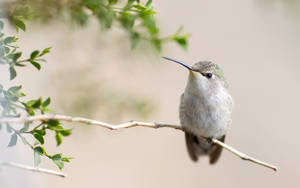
(181, 63)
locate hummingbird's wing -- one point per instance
(216, 153)
(191, 143)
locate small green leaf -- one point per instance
(30, 103)
(66, 159)
(8, 40)
(56, 156)
(30, 111)
(36, 65)
(20, 24)
(57, 159)
(55, 128)
(53, 122)
(37, 103)
(15, 89)
(39, 137)
(13, 140)
(8, 128)
(37, 157)
(59, 164)
(58, 138)
(157, 44)
(149, 3)
(12, 72)
(140, 7)
(41, 132)
(66, 132)
(1, 25)
(46, 102)
(19, 64)
(16, 56)
(112, 2)
(135, 38)
(40, 150)
(34, 54)
(45, 51)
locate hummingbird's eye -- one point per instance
(207, 75)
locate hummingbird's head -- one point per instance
(204, 76)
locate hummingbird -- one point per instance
(205, 109)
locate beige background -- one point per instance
(255, 42)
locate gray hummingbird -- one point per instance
(205, 109)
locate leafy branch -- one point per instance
(12, 105)
(135, 18)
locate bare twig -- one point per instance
(33, 169)
(129, 125)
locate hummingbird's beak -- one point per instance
(181, 63)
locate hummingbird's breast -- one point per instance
(206, 114)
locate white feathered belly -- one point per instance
(208, 116)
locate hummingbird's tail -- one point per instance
(199, 146)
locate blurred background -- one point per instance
(95, 74)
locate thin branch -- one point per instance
(33, 169)
(129, 125)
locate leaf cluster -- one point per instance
(9, 54)
(12, 104)
(134, 17)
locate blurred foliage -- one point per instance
(104, 102)
(12, 105)
(137, 19)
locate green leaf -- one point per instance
(56, 156)
(12, 72)
(135, 38)
(182, 42)
(0, 126)
(149, 3)
(15, 89)
(37, 103)
(41, 132)
(46, 102)
(157, 44)
(34, 54)
(39, 137)
(20, 24)
(16, 56)
(112, 2)
(66, 159)
(8, 40)
(66, 132)
(58, 138)
(8, 128)
(36, 65)
(37, 156)
(45, 51)
(40, 150)
(140, 7)
(57, 159)
(30, 111)
(59, 164)
(53, 122)
(55, 128)
(1, 25)
(13, 140)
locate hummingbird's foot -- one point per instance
(209, 140)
